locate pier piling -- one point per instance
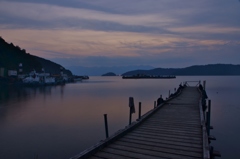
(139, 110)
(131, 109)
(208, 117)
(106, 125)
(204, 85)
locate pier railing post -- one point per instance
(106, 125)
(208, 117)
(204, 85)
(139, 110)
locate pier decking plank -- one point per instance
(172, 131)
(160, 145)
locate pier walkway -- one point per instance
(175, 129)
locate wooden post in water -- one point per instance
(204, 85)
(106, 125)
(131, 109)
(139, 110)
(208, 117)
(130, 118)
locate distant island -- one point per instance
(198, 70)
(109, 74)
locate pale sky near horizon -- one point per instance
(159, 33)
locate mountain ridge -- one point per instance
(11, 56)
(195, 70)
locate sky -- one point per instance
(107, 33)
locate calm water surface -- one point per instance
(59, 122)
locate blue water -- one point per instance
(59, 122)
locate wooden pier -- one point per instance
(175, 129)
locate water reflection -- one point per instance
(60, 121)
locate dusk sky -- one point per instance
(158, 33)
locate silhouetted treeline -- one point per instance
(200, 70)
(11, 56)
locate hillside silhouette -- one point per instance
(11, 56)
(198, 70)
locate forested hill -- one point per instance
(11, 56)
(201, 70)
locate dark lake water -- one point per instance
(59, 122)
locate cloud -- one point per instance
(96, 48)
(44, 12)
(104, 61)
(166, 60)
(67, 3)
(106, 32)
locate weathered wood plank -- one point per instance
(170, 132)
(170, 127)
(163, 120)
(174, 123)
(168, 135)
(167, 138)
(95, 157)
(107, 155)
(190, 126)
(160, 149)
(150, 152)
(159, 129)
(158, 144)
(163, 141)
(187, 118)
(129, 154)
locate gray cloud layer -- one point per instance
(190, 20)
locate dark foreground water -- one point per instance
(59, 122)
